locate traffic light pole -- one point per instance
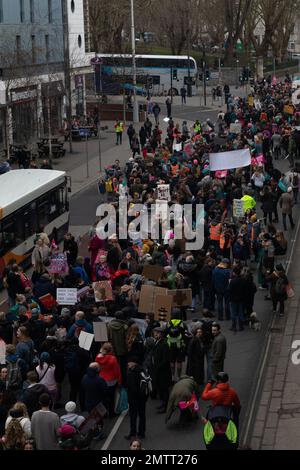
(204, 83)
(172, 84)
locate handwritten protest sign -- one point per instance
(181, 297)
(147, 298)
(238, 208)
(102, 291)
(163, 192)
(66, 296)
(235, 128)
(163, 307)
(58, 264)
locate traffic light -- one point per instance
(174, 74)
(201, 76)
(207, 75)
(149, 83)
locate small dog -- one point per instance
(254, 322)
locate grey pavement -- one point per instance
(277, 419)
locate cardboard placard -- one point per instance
(181, 297)
(102, 291)
(85, 340)
(100, 332)
(58, 264)
(251, 101)
(153, 272)
(163, 192)
(238, 208)
(66, 296)
(163, 307)
(147, 298)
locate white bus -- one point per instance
(156, 73)
(30, 200)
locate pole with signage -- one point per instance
(135, 104)
(97, 63)
(87, 155)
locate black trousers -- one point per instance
(290, 216)
(137, 411)
(75, 381)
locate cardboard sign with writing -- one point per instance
(85, 340)
(100, 332)
(181, 297)
(163, 307)
(163, 192)
(251, 101)
(238, 208)
(58, 264)
(153, 272)
(102, 291)
(66, 296)
(147, 298)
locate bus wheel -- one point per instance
(173, 92)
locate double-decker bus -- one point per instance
(30, 200)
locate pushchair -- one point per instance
(220, 430)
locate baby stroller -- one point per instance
(220, 430)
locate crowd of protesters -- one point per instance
(43, 361)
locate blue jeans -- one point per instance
(223, 299)
(237, 314)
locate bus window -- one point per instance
(43, 211)
(30, 220)
(12, 231)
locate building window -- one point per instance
(32, 11)
(72, 6)
(1, 11)
(47, 47)
(22, 11)
(18, 48)
(33, 49)
(50, 18)
(79, 40)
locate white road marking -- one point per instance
(114, 430)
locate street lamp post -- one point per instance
(135, 104)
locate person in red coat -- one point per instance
(110, 372)
(222, 394)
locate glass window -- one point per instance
(18, 48)
(43, 211)
(50, 17)
(47, 47)
(32, 11)
(22, 11)
(12, 231)
(79, 41)
(30, 220)
(1, 11)
(72, 6)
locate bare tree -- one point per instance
(236, 13)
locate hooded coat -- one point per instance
(116, 331)
(182, 391)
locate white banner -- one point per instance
(230, 160)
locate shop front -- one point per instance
(24, 114)
(52, 103)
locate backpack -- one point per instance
(14, 375)
(280, 286)
(145, 384)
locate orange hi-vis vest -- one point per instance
(215, 232)
(174, 170)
